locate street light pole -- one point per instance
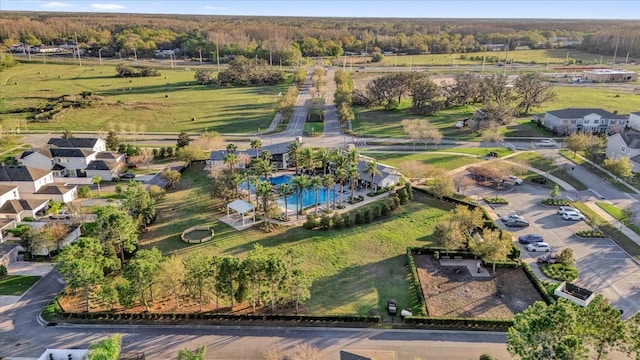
(100, 55)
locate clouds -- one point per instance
(106, 7)
(55, 5)
(210, 7)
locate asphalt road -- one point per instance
(21, 335)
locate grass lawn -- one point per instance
(314, 128)
(616, 212)
(587, 96)
(578, 159)
(16, 284)
(163, 103)
(354, 270)
(610, 231)
(444, 161)
(539, 162)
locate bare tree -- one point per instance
(144, 157)
(463, 183)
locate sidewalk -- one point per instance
(615, 222)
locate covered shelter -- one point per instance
(241, 207)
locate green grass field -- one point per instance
(16, 285)
(443, 161)
(355, 269)
(617, 213)
(163, 103)
(555, 57)
(539, 162)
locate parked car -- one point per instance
(530, 238)
(132, 166)
(517, 223)
(460, 124)
(392, 307)
(62, 214)
(127, 176)
(572, 216)
(541, 246)
(512, 217)
(547, 143)
(551, 258)
(564, 209)
(516, 180)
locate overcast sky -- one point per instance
(556, 9)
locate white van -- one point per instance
(541, 246)
(516, 180)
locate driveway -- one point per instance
(23, 268)
(602, 265)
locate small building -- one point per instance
(106, 170)
(387, 175)
(278, 155)
(568, 121)
(609, 75)
(625, 144)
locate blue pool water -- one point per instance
(308, 196)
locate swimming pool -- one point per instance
(308, 196)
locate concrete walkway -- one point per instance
(615, 222)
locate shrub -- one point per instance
(409, 189)
(346, 220)
(560, 272)
(402, 194)
(163, 152)
(377, 211)
(359, 219)
(325, 222)
(84, 191)
(367, 215)
(384, 209)
(28, 219)
(3, 271)
(336, 220)
(495, 200)
(592, 233)
(486, 357)
(311, 223)
(555, 202)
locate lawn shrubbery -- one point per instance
(495, 200)
(375, 211)
(560, 272)
(555, 202)
(592, 233)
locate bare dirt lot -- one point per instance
(452, 294)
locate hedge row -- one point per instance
(229, 317)
(460, 323)
(415, 283)
(538, 285)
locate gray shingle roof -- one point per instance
(54, 189)
(108, 155)
(580, 113)
(17, 206)
(77, 153)
(88, 143)
(631, 138)
(21, 173)
(274, 149)
(43, 152)
(101, 165)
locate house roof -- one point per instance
(101, 165)
(631, 138)
(88, 143)
(240, 206)
(15, 207)
(79, 153)
(635, 159)
(580, 113)
(58, 167)
(6, 188)
(636, 112)
(21, 173)
(54, 189)
(43, 152)
(108, 155)
(384, 171)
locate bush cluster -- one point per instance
(377, 210)
(555, 202)
(495, 200)
(415, 284)
(128, 71)
(538, 285)
(591, 233)
(560, 272)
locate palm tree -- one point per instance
(352, 156)
(266, 155)
(293, 154)
(251, 178)
(96, 180)
(322, 156)
(328, 181)
(198, 354)
(286, 190)
(341, 175)
(353, 175)
(256, 144)
(316, 182)
(236, 179)
(300, 183)
(372, 169)
(231, 148)
(264, 190)
(307, 159)
(231, 160)
(262, 168)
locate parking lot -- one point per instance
(602, 265)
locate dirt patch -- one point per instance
(450, 291)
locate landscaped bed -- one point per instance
(452, 293)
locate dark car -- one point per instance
(530, 238)
(492, 154)
(132, 166)
(392, 307)
(550, 258)
(127, 176)
(517, 223)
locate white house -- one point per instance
(568, 121)
(13, 208)
(39, 159)
(625, 144)
(107, 170)
(93, 144)
(634, 121)
(36, 184)
(386, 176)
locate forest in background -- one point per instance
(287, 39)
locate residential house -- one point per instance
(13, 209)
(634, 121)
(36, 184)
(625, 144)
(386, 176)
(105, 169)
(93, 144)
(568, 121)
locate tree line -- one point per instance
(286, 40)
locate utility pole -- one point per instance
(77, 49)
(100, 55)
(171, 59)
(135, 54)
(217, 53)
(200, 52)
(615, 53)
